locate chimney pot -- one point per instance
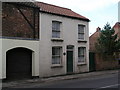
(98, 29)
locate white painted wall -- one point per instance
(69, 34)
(7, 44)
(42, 50)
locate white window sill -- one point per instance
(57, 39)
(56, 66)
(80, 40)
(81, 63)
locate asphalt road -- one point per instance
(95, 83)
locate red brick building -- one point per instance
(97, 62)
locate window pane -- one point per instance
(56, 51)
(53, 26)
(80, 36)
(81, 59)
(81, 51)
(53, 60)
(55, 34)
(56, 26)
(81, 30)
(55, 29)
(56, 60)
(56, 55)
(81, 54)
(58, 35)
(53, 51)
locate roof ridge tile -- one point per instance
(57, 10)
(54, 5)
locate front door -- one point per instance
(70, 59)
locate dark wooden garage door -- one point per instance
(19, 64)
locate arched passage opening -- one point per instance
(18, 64)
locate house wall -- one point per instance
(69, 33)
(8, 44)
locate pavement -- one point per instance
(56, 78)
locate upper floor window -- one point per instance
(81, 32)
(81, 54)
(56, 29)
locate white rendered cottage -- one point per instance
(64, 41)
(42, 42)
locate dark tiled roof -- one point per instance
(48, 8)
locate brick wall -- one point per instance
(13, 23)
(117, 28)
(93, 40)
(102, 63)
(107, 62)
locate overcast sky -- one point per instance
(98, 11)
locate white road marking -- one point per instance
(110, 86)
(106, 86)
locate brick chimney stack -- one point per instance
(98, 29)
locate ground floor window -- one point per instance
(81, 54)
(56, 55)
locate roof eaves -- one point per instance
(66, 16)
(93, 34)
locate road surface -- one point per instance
(94, 82)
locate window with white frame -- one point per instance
(56, 29)
(81, 32)
(81, 54)
(56, 55)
